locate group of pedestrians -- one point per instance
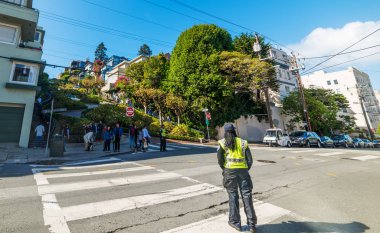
(139, 138)
(112, 135)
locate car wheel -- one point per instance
(319, 144)
(345, 145)
(308, 144)
(289, 144)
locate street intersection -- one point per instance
(295, 190)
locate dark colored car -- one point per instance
(368, 143)
(376, 143)
(343, 140)
(305, 138)
(327, 142)
(358, 142)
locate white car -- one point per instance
(277, 138)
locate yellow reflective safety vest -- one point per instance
(163, 132)
(235, 158)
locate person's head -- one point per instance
(162, 126)
(108, 127)
(117, 125)
(229, 135)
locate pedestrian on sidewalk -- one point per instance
(107, 136)
(117, 133)
(132, 134)
(146, 138)
(66, 136)
(88, 139)
(140, 139)
(235, 159)
(162, 138)
(40, 132)
(99, 131)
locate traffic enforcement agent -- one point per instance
(235, 158)
(162, 138)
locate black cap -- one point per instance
(229, 127)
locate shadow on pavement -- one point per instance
(313, 227)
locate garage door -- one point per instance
(10, 123)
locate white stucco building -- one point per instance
(352, 83)
(251, 128)
(119, 70)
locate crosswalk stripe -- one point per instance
(53, 215)
(331, 153)
(39, 169)
(180, 147)
(102, 183)
(92, 161)
(302, 151)
(366, 157)
(118, 205)
(265, 213)
(158, 147)
(121, 170)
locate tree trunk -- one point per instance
(178, 119)
(269, 111)
(159, 115)
(145, 108)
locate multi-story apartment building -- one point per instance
(251, 128)
(119, 70)
(111, 63)
(356, 86)
(20, 65)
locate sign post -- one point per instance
(130, 112)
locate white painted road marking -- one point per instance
(103, 183)
(53, 214)
(303, 151)
(331, 153)
(93, 161)
(265, 213)
(366, 157)
(121, 170)
(118, 205)
(40, 169)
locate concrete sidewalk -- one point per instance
(11, 153)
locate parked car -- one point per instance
(358, 142)
(376, 143)
(277, 138)
(305, 138)
(343, 140)
(327, 142)
(368, 143)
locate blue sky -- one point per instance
(287, 22)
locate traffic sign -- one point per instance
(130, 112)
(208, 115)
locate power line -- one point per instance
(352, 51)
(373, 54)
(230, 22)
(106, 30)
(131, 16)
(320, 63)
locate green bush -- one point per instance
(180, 130)
(154, 128)
(76, 126)
(90, 99)
(168, 126)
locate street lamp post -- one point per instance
(207, 123)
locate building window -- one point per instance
(8, 34)
(24, 73)
(37, 36)
(335, 82)
(18, 2)
(328, 82)
(287, 89)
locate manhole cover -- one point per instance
(266, 161)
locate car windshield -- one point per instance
(338, 137)
(298, 134)
(271, 133)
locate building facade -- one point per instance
(21, 43)
(250, 128)
(356, 86)
(111, 63)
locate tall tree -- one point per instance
(176, 104)
(155, 71)
(145, 50)
(323, 106)
(101, 53)
(194, 72)
(244, 44)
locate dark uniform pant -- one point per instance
(234, 179)
(162, 144)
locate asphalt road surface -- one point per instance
(295, 190)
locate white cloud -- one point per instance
(326, 41)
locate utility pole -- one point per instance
(294, 67)
(257, 49)
(365, 113)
